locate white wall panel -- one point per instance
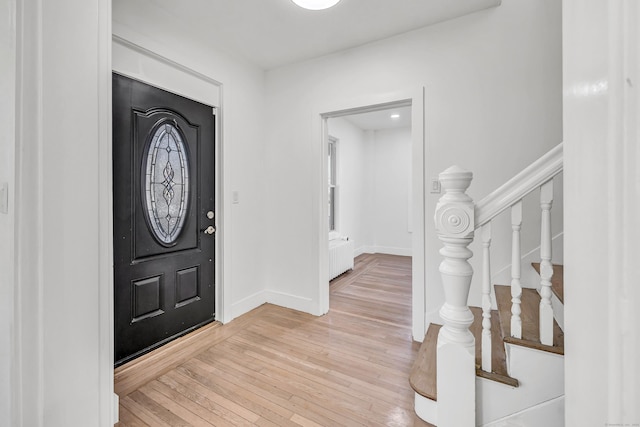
(493, 105)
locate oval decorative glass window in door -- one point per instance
(166, 183)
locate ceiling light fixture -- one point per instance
(395, 116)
(316, 4)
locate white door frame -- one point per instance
(213, 95)
(415, 98)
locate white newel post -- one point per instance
(456, 372)
(546, 268)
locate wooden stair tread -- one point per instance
(423, 373)
(557, 280)
(530, 303)
(498, 355)
(423, 377)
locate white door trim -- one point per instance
(108, 400)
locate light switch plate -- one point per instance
(235, 197)
(4, 198)
(435, 186)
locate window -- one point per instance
(332, 182)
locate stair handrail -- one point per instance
(532, 177)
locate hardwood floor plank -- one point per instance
(279, 367)
(189, 417)
(304, 422)
(150, 411)
(128, 419)
(311, 409)
(214, 402)
(214, 417)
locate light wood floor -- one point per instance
(279, 367)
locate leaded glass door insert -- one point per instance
(166, 182)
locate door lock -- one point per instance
(210, 230)
(210, 214)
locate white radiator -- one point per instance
(340, 257)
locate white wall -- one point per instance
(392, 202)
(493, 105)
(373, 199)
(7, 135)
(244, 149)
(62, 358)
(354, 183)
(61, 348)
(602, 154)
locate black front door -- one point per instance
(163, 197)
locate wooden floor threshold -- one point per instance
(143, 369)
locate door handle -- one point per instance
(209, 230)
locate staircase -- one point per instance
(500, 364)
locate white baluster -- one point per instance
(456, 373)
(486, 297)
(546, 268)
(516, 287)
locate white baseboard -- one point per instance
(393, 251)
(115, 416)
(387, 250)
(247, 304)
(293, 302)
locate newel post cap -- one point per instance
(455, 179)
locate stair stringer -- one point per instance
(541, 378)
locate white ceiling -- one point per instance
(272, 33)
(378, 120)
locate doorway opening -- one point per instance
(369, 186)
(373, 181)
